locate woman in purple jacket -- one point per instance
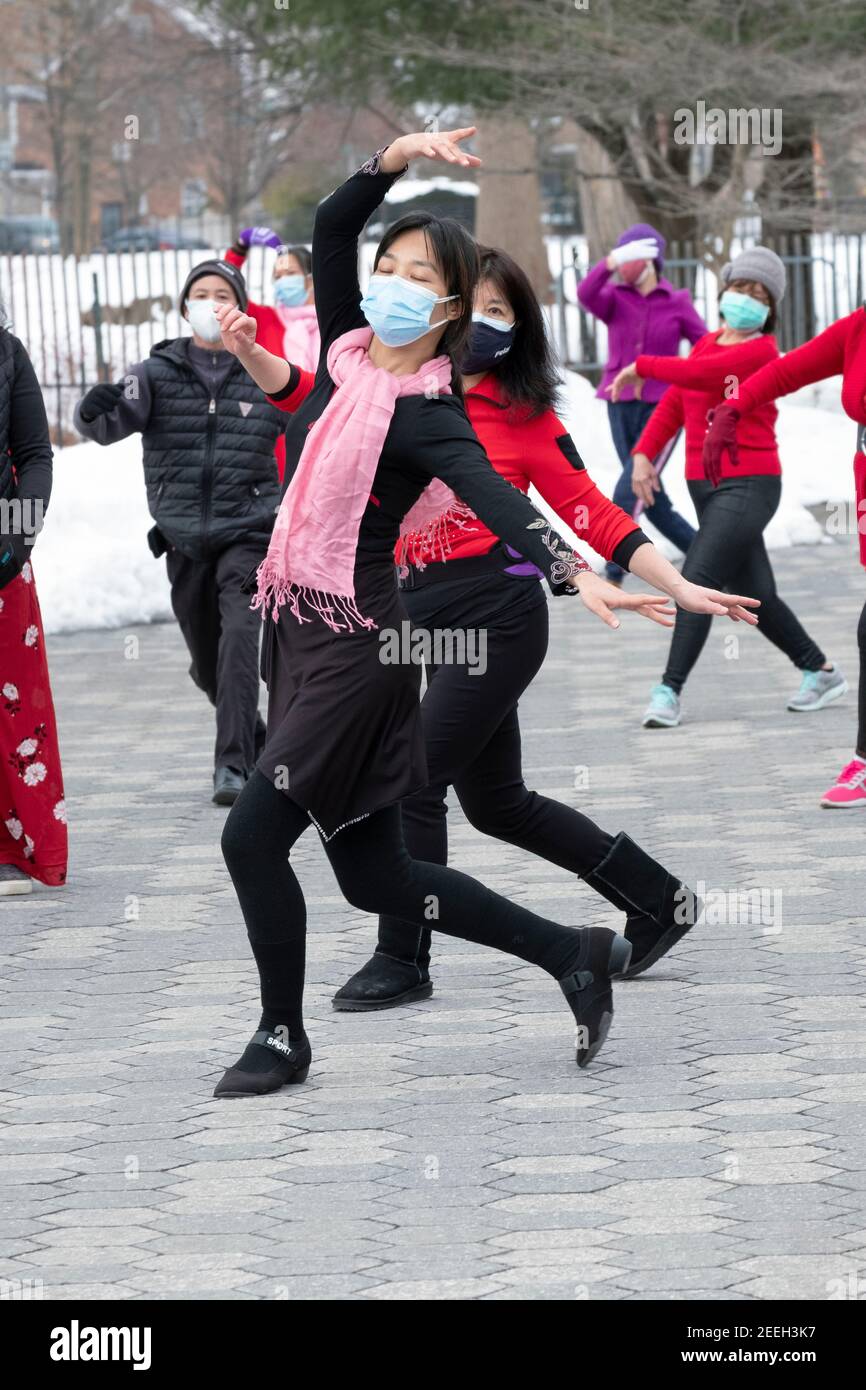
(642, 308)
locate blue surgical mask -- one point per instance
(399, 311)
(742, 311)
(290, 290)
(489, 341)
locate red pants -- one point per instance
(32, 809)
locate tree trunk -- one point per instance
(605, 207)
(509, 201)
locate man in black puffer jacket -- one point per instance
(212, 488)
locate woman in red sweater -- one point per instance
(729, 549)
(841, 348)
(490, 594)
(289, 328)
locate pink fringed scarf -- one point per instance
(300, 334)
(311, 558)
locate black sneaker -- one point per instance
(291, 1065)
(383, 983)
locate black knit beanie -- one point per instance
(228, 272)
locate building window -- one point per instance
(193, 197)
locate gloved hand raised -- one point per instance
(259, 236)
(101, 399)
(645, 249)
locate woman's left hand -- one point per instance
(429, 144)
(696, 599)
(601, 597)
(627, 377)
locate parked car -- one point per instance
(150, 239)
(132, 239)
(39, 234)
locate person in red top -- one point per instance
(487, 591)
(840, 349)
(729, 549)
(289, 328)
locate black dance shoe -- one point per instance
(227, 786)
(659, 908)
(290, 1065)
(603, 955)
(383, 983)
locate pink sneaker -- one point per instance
(849, 793)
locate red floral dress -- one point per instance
(32, 808)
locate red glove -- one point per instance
(721, 435)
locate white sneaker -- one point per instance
(817, 689)
(663, 710)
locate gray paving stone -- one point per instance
(450, 1150)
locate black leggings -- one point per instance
(729, 553)
(861, 642)
(472, 742)
(376, 874)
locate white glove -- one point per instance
(644, 250)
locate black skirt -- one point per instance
(344, 725)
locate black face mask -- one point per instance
(486, 347)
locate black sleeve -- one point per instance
(627, 547)
(339, 222)
(29, 442)
(447, 447)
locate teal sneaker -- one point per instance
(663, 710)
(818, 689)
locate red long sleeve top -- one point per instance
(840, 348)
(709, 375)
(537, 450)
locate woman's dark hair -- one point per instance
(302, 256)
(772, 317)
(528, 373)
(456, 254)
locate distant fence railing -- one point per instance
(86, 319)
(826, 280)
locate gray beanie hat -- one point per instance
(761, 264)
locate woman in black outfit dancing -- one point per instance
(345, 743)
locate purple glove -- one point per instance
(259, 236)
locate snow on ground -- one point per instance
(94, 569)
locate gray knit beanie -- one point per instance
(761, 264)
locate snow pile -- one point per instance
(94, 569)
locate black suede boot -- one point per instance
(397, 972)
(659, 908)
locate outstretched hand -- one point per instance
(429, 144)
(627, 377)
(601, 598)
(696, 599)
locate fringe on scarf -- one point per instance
(274, 592)
(433, 541)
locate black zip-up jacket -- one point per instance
(25, 455)
(208, 440)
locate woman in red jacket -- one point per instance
(840, 349)
(289, 328)
(729, 549)
(486, 590)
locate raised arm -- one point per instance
(594, 292)
(821, 357)
(710, 371)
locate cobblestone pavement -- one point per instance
(451, 1149)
